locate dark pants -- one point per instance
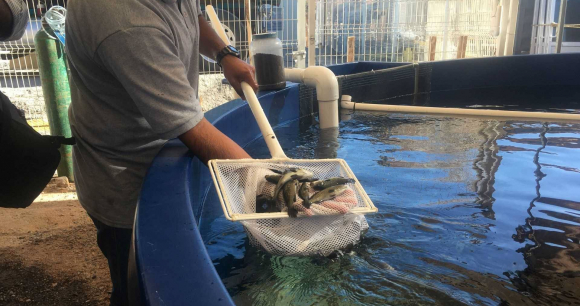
(115, 244)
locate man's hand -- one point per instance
(237, 71)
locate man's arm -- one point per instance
(236, 70)
(207, 142)
(156, 79)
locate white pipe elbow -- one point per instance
(321, 78)
(326, 84)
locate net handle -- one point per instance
(267, 132)
(265, 127)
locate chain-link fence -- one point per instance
(378, 30)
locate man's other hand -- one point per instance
(237, 71)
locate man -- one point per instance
(134, 77)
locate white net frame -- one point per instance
(237, 193)
(238, 182)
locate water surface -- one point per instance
(471, 211)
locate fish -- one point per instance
(335, 181)
(328, 193)
(291, 174)
(304, 195)
(290, 197)
(265, 205)
(273, 178)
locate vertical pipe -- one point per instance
(502, 28)
(56, 90)
(301, 34)
(445, 29)
(311, 32)
(550, 7)
(535, 28)
(248, 17)
(561, 23)
(511, 29)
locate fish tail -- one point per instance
(292, 212)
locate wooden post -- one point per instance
(350, 50)
(462, 47)
(432, 47)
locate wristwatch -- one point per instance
(227, 50)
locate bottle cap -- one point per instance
(265, 35)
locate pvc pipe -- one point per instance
(216, 24)
(248, 17)
(495, 21)
(511, 29)
(326, 84)
(502, 28)
(459, 111)
(561, 23)
(444, 55)
(311, 32)
(265, 127)
(301, 32)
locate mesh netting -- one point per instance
(321, 229)
(306, 236)
(380, 85)
(241, 181)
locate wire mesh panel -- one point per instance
(544, 29)
(19, 76)
(404, 30)
(243, 18)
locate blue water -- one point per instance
(471, 211)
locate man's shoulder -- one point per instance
(91, 22)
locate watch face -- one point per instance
(233, 49)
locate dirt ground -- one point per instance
(49, 254)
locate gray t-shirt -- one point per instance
(134, 77)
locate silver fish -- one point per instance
(335, 181)
(289, 193)
(303, 194)
(328, 193)
(291, 174)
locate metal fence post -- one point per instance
(55, 86)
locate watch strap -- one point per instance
(225, 52)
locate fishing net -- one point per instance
(320, 229)
(320, 235)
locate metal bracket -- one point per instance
(297, 55)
